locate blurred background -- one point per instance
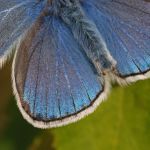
(122, 122)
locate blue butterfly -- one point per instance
(67, 53)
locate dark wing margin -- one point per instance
(54, 81)
(125, 27)
(16, 16)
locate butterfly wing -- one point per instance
(54, 81)
(16, 16)
(125, 27)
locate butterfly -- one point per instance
(68, 52)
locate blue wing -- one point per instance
(16, 16)
(125, 27)
(54, 80)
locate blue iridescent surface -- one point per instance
(60, 80)
(16, 16)
(125, 27)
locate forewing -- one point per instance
(55, 82)
(16, 16)
(125, 27)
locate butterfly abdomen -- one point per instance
(85, 33)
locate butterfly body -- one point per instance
(68, 51)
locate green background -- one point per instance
(122, 122)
